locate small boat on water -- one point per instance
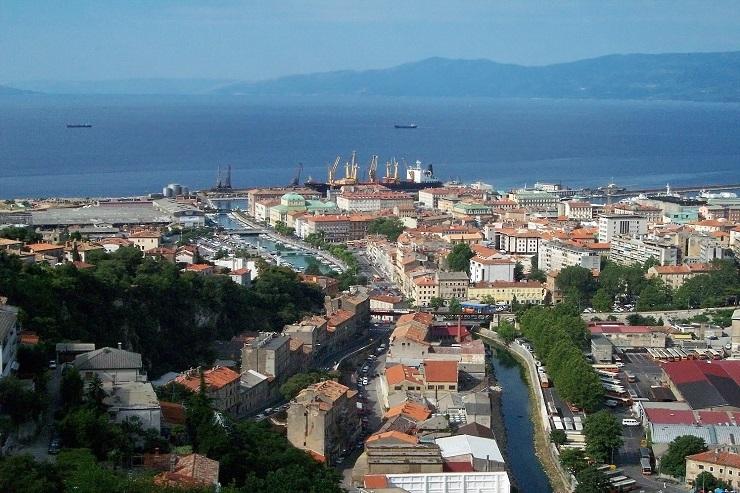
(405, 125)
(79, 125)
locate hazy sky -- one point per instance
(99, 39)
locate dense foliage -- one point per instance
(591, 480)
(25, 234)
(300, 381)
(150, 306)
(674, 460)
(573, 459)
(603, 434)
(707, 482)
(351, 276)
(458, 259)
(577, 284)
(558, 334)
(390, 227)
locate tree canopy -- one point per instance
(458, 259)
(603, 434)
(674, 460)
(577, 284)
(390, 227)
(300, 381)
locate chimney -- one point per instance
(120, 345)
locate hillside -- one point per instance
(692, 76)
(9, 91)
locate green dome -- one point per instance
(293, 197)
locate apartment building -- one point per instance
(611, 225)
(505, 291)
(484, 269)
(366, 201)
(722, 464)
(654, 215)
(9, 330)
(534, 199)
(453, 285)
(222, 387)
(628, 250)
(335, 228)
(268, 354)
(555, 255)
(429, 197)
(675, 275)
(574, 209)
(322, 419)
(517, 241)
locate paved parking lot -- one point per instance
(646, 370)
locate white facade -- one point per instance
(489, 270)
(467, 482)
(555, 255)
(9, 331)
(611, 225)
(627, 250)
(522, 242)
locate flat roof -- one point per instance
(101, 214)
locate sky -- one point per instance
(252, 40)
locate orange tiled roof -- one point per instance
(728, 459)
(422, 317)
(440, 370)
(400, 373)
(173, 412)
(191, 470)
(375, 481)
(414, 410)
(42, 247)
(215, 378)
(393, 434)
(198, 267)
(29, 338)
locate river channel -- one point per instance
(515, 408)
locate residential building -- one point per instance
(555, 255)
(452, 285)
(328, 285)
(311, 331)
(612, 225)
(134, 400)
(653, 215)
(574, 209)
(534, 199)
(242, 276)
(221, 385)
(724, 465)
(429, 197)
(630, 336)
(335, 228)
(373, 201)
(200, 269)
(675, 275)
(674, 209)
(193, 470)
(423, 289)
(397, 452)
(9, 338)
(505, 291)
(46, 252)
(254, 392)
(322, 419)
(145, 239)
(516, 241)
(111, 365)
(628, 250)
(268, 354)
(489, 269)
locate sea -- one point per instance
(138, 144)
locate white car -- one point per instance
(611, 403)
(630, 422)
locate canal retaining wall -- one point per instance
(540, 412)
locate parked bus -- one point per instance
(630, 377)
(645, 466)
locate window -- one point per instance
(397, 387)
(430, 387)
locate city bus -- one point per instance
(645, 466)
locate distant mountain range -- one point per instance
(5, 90)
(691, 76)
(126, 86)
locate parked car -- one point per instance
(611, 403)
(54, 446)
(630, 422)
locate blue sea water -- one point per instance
(140, 143)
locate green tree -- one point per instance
(75, 236)
(458, 259)
(654, 296)
(21, 474)
(674, 460)
(95, 394)
(19, 402)
(577, 283)
(313, 268)
(283, 229)
(300, 381)
(591, 480)
(25, 234)
(573, 459)
(603, 434)
(454, 306)
(558, 437)
(537, 275)
(518, 271)
(707, 482)
(507, 331)
(71, 388)
(390, 227)
(602, 302)
(436, 302)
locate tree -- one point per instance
(591, 480)
(300, 381)
(603, 434)
(674, 460)
(95, 394)
(707, 482)
(455, 307)
(25, 234)
(537, 275)
(558, 437)
(436, 302)
(654, 296)
(21, 474)
(71, 388)
(18, 401)
(283, 228)
(458, 259)
(577, 283)
(390, 227)
(507, 331)
(313, 268)
(518, 271)
(75, 236)
(573, 459)
(602, 302)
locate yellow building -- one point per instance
(505, 291)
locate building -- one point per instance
(602, 349)
(484, 269)
(722, 464)
(9, 337)
(534, 199)
(505, 292)
(472, 453)
(628, 250)
(254, 392)
(735, 335)
(268, 354)
(134, 400)
(452, 285)
(111, 365)
(193, 470)
(373, 201)
(653, 215)
(429, 197)
(515, 241)
(630, 336)
(322, 419)
(242, 276)
(221, 384)
(335, 228)
(611, 225)
(704, 384)
(292, 202)
(448, 482)
(145, 240)
(555, 255)
(273, 194)
(181, 213)
(439, 375)
(574, 209)
(397, 452)
(675, 275)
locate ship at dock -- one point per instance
(417, 176)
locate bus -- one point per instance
(645, 466)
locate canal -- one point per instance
(515, 408)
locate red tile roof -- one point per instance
(670, 416)
(418, 412)
(622, 329)
(727, 459)
(440, 371)
(215, 378)
(400, 373)
(172, 412)
(375, 481)
(397, 435)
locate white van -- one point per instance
(630, 422)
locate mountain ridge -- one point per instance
(682, 76)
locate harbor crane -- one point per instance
(297, 178)
(333, 170)
(372, 169)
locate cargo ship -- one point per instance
(79, 125)
(405, 125)
(417, 177)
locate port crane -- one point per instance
(297, 178)
(372, 169)
(333, 170)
